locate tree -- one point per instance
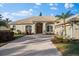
(64, 16)
(40, 14)
(2, 23)
(1, 17)
(7, 20)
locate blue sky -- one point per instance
(16, 11)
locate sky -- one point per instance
(17, 11)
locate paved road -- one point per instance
(30, 45)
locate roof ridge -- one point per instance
(72, 16)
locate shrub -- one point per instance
(2, 23)
(60, 39)
(19, 32)
(6, 36)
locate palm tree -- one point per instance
(64, 16)
(40, 14)
(3, 22)
(7, 20)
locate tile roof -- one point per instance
(35, 19)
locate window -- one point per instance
(28, 28)
(49, 28)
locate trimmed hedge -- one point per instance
(6, 36)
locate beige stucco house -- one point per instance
(48, 25)
(35, 25)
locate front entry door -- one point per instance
(39, 28)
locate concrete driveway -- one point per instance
(30, 45)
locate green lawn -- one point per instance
(68, 49)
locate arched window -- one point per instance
(49, 28)
(29, 28)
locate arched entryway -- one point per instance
(39, 28)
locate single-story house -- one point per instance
(35, 25)
(48, 25)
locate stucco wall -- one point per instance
(58, 29)
(19, 27)
(76, 31)
(68, 31)
(33, 28)
(22, 28)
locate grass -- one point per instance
(68, 49)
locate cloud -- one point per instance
(68, 5)
(53, 8)
(31, 10)
(17, 14)
(51, 14)
(37, 3)
(23, 13)
(1, 5)
(7, 15)
(53, 4)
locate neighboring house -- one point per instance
(35, 25)
(72, 27)
(73, 30)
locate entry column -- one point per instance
(44, 28)
(33, 28)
